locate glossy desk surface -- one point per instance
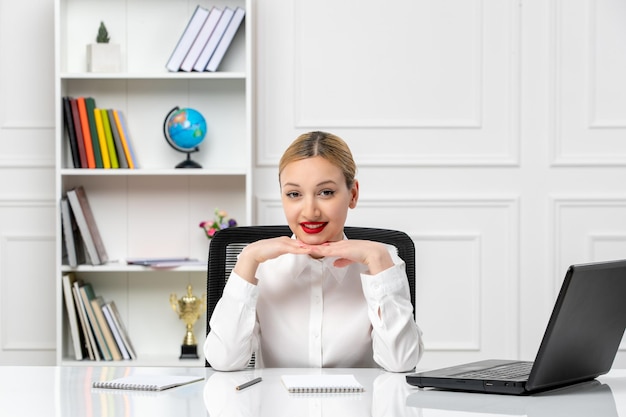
(66, 391)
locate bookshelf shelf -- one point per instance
(154, 210)
(164, 75)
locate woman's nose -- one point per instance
(311, 210)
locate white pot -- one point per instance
(103, 57)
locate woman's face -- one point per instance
(316, 199)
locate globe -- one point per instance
(184, 130)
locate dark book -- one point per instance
(87, 225)
(71, 235)
(71, 134)
(90, 340)
(78, 130)
(90, 104)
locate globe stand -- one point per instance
(189, 163)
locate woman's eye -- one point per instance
(292, 194)
(327, 193)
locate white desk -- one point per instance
(66, 392)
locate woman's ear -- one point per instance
(354, 191)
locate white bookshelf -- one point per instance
(154, 210)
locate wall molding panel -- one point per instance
(395, 87)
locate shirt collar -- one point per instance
(300, 263)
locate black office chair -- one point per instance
(228, 243)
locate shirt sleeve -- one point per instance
(396, 338)
(234, 331)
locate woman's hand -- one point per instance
(264, 250)
(372, 254)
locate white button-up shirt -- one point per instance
(305, 312)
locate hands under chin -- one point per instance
(372, 254)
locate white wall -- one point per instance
(490, 131)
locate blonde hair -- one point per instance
(323, 144)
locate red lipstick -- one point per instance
(313, 227)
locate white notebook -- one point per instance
(321, 383)
(147, 382)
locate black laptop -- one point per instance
(579, 344)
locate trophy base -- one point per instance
(189, 352)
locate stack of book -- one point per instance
(98, 137)
(96, 327)
(81, 236)
(206, 39)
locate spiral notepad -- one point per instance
(321, 383)
(147, 382)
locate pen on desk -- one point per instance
(247, 384)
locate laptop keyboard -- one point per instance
(513, 370)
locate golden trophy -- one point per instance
(189, 309)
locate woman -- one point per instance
(316, 299)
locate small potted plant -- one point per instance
(103, 56)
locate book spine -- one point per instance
(190, 33)
(226, 40)
(106, 124)
(70, 307)
(84, 124)
(106, 161)
(68, 233)
(119, 149)
(123, 140)
(214, 40)
(87, 294)
(126, 132)
(90, 341)
(90, 105)
(71, 134)
(201, 40)
(107, 334)
(91, 224)
(78, 130)
(81, 221)
(115, 331)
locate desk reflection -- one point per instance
(385, 395)
(587, 399)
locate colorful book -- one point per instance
(226, 40)
(80, 143)
(87, 294)
(84, 124)
(71, 134)
(214, 40)
(90, 104)
(102, 140)
(126, 133)
(201, 39)
(117, 140)
(109, 138)
(123, 139)
(187, 38)
(115, 331)
(96, 304)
